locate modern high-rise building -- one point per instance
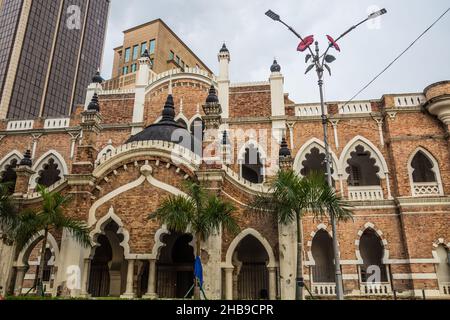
(167, 51)
(49, 51)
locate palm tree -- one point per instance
(200, 212)
(29, 224)
(291, 197)
(8, 216)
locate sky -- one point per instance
(254, 40)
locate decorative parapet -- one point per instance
(309, 110)
(118, 91)
(258, 188)
(175, 74)
(409, 101)
(57, 123)
(250, 84)
(355, 108)
(20, 125)
(175, 152)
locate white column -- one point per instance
(287, 239)
(85, 278)
(151, 290)
(277, 94)
(336, 136)
(223, 82)
(272, 283)
(229, 283)
(129, 293)
(380, 130)
(388, 186)
(142, 80)
(20, 275)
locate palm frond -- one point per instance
(30, 225)
(217, 213)
(78, 229)
(176, 212)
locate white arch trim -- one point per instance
(249, 232)
(255, 144)
(374, 153)
(181, 116)
(382, 239)
(307, 147)
(321, 227)
(146, 176)
(99, 229)
(436, 244)
(104, 152)
(39, 164)
(435, 169)
(51, 242)
(10, 156)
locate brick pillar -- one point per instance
(24, 173)
(91, 127)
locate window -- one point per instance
(127, 54)
(182, 64)
(171, 55)
(178, 60)
(362, 169)
(152, 46)
(125, 70)
(50, 174)
(133, 67)
(143, 47)
(135, 52)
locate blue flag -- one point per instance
(198, 271)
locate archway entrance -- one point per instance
(322, 251)
(250, 259)
(108, 267)
(175, 267)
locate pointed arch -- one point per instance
(375, 153)
(306, 149)
(43, 160)
(107, 150)
(384, 243)
(425, 189)
(181, 117)
(256, 171)
(52, 244)
(100, 229)
(10, 156)
(243, 235)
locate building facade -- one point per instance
(390, 161)
(49, 52)
(166, 50)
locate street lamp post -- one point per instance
(320, 63)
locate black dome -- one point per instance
(284, 150)
(212, 97)
(26, 161)
(224, 49)
(97, 78)
(167, 129)
(275, 67)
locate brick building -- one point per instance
(390, 160)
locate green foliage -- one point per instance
(292, 197)
(199, 212)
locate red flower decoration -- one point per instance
(335, 45)
(305, 43)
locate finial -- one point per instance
(284, 148)
(97, 77)
(26, 161)
(94, 105)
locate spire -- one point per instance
(97, 78)
(94, 105)
(275, 67)
(26, 161)
(284, 149)
(212, 97)
(224, 49)
(168, 113)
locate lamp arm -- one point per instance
(296, 34)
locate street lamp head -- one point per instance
(377, 14)
(272, 15)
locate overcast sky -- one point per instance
(254, 40)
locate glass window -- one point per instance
(133, 67)
(127, 54)
(152, 46)
(143, 47)
(182, 63)
(125, 70)
(135, 52)
(171, 55)
(178, 60)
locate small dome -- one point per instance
(284, 149)
(224, 49)
(26, 161)
(97, 78)
(275, 67)
(167, 129)
(212, 97)
(94, 105)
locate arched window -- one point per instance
(252, 167)
(362, 169)
(422, 168)
(182, 123)
(50, 173)
(425, 175)
(9, 175)
(322, 251)
(372, 252)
